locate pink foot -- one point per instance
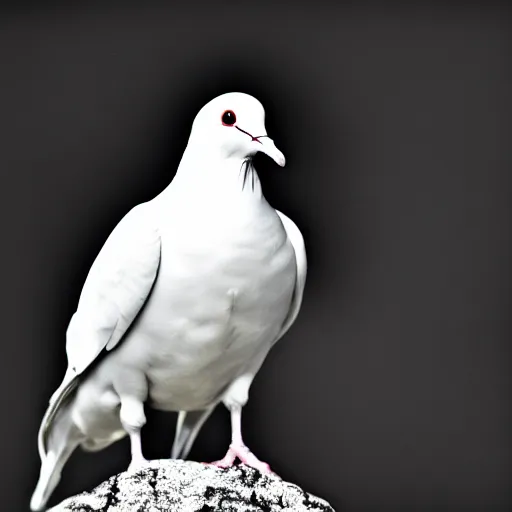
(245, 455)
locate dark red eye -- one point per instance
(228, 118)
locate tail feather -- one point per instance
(61, 396)
(187, 427)
(60, 437)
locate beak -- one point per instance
(266, 145)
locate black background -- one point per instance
(391, 392)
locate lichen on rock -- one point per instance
(186, 486)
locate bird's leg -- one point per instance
(237, 448)
(234, 399)
(133, 419)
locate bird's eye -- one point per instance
(228, 118)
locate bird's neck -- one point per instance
(210, 176)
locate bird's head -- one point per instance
(234, 124)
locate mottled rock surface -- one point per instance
(185, 486)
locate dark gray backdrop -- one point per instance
(392, 390)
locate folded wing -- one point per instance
(297, 240)
(116, 289)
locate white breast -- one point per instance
(221, 292)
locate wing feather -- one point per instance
(297, 240)
(116, 288)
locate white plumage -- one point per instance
(183, 303)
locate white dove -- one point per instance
(183, 303)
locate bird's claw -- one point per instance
(245, 455)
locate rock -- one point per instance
(186, 486)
